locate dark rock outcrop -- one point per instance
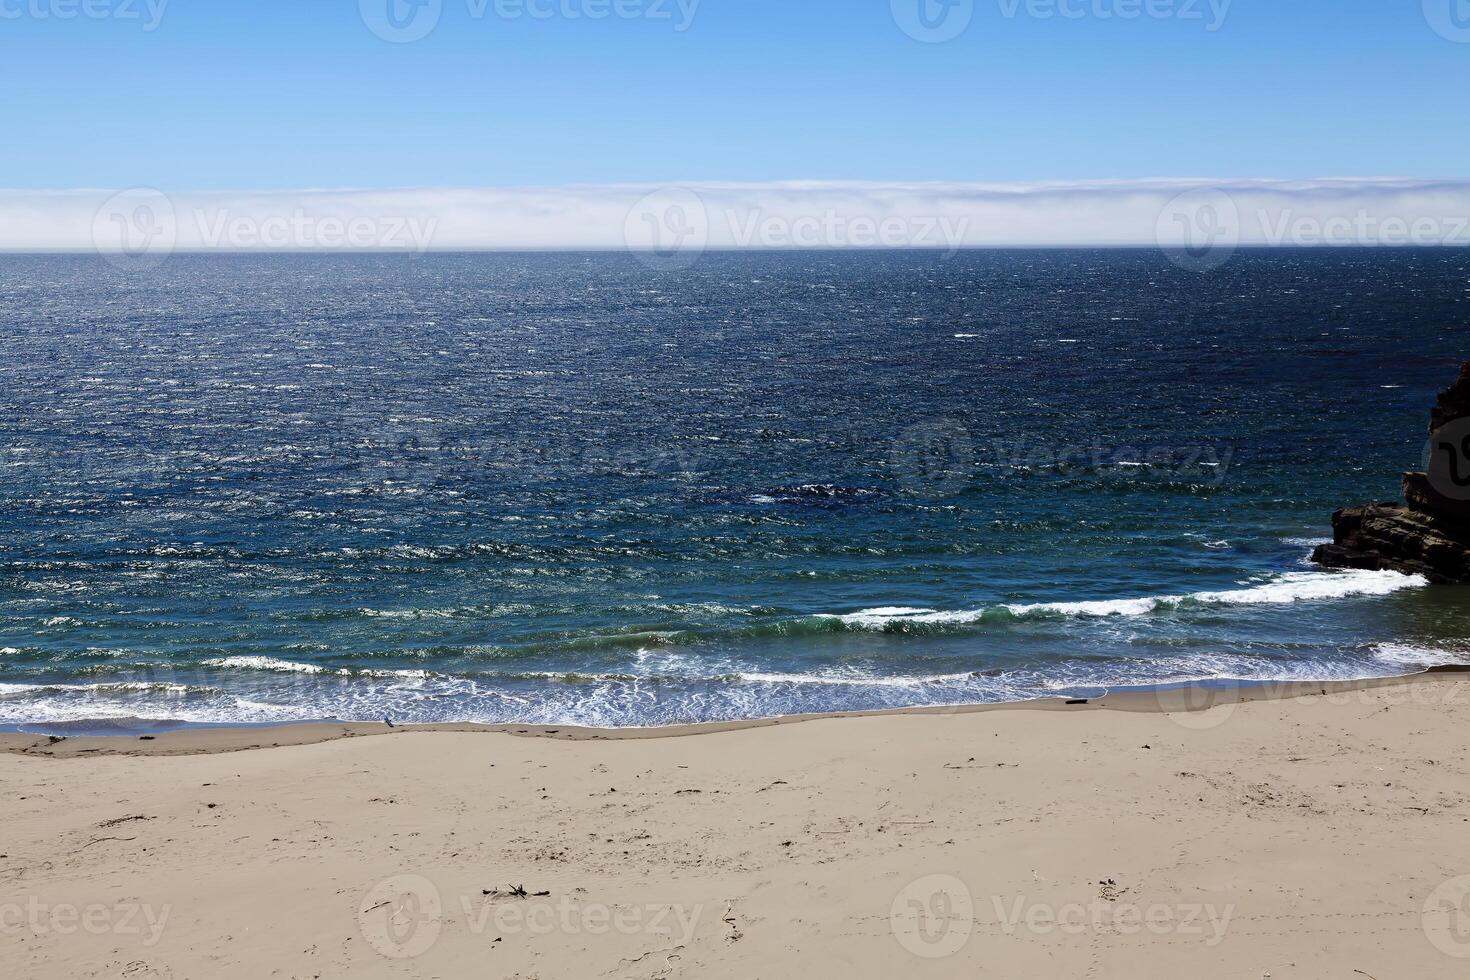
(1429, 534)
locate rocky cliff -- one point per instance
(1428, 534)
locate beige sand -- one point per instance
(1320, 836)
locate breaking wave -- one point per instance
(1288, 588)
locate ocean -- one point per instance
(572, 489)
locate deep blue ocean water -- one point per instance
(568, 488)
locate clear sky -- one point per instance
(271, 94)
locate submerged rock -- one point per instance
(1428, 534)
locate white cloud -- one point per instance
(725, 215)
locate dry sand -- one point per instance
(1311, 836)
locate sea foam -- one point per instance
(1414, 655)
(1287, 588)
(263, 663)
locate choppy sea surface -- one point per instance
(569, 488)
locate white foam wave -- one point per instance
(883, 615)
(1316, 586)
(410, 675)
(1413, 655)
(275, 665)
(263, 663)
(853, 680)
(100, 688)
(1283, 589)
(1099, 608)
(66, 706)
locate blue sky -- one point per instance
(274, 94)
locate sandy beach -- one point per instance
(1308, 832)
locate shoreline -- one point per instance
(187, 738)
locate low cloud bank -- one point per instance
(683, 219)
